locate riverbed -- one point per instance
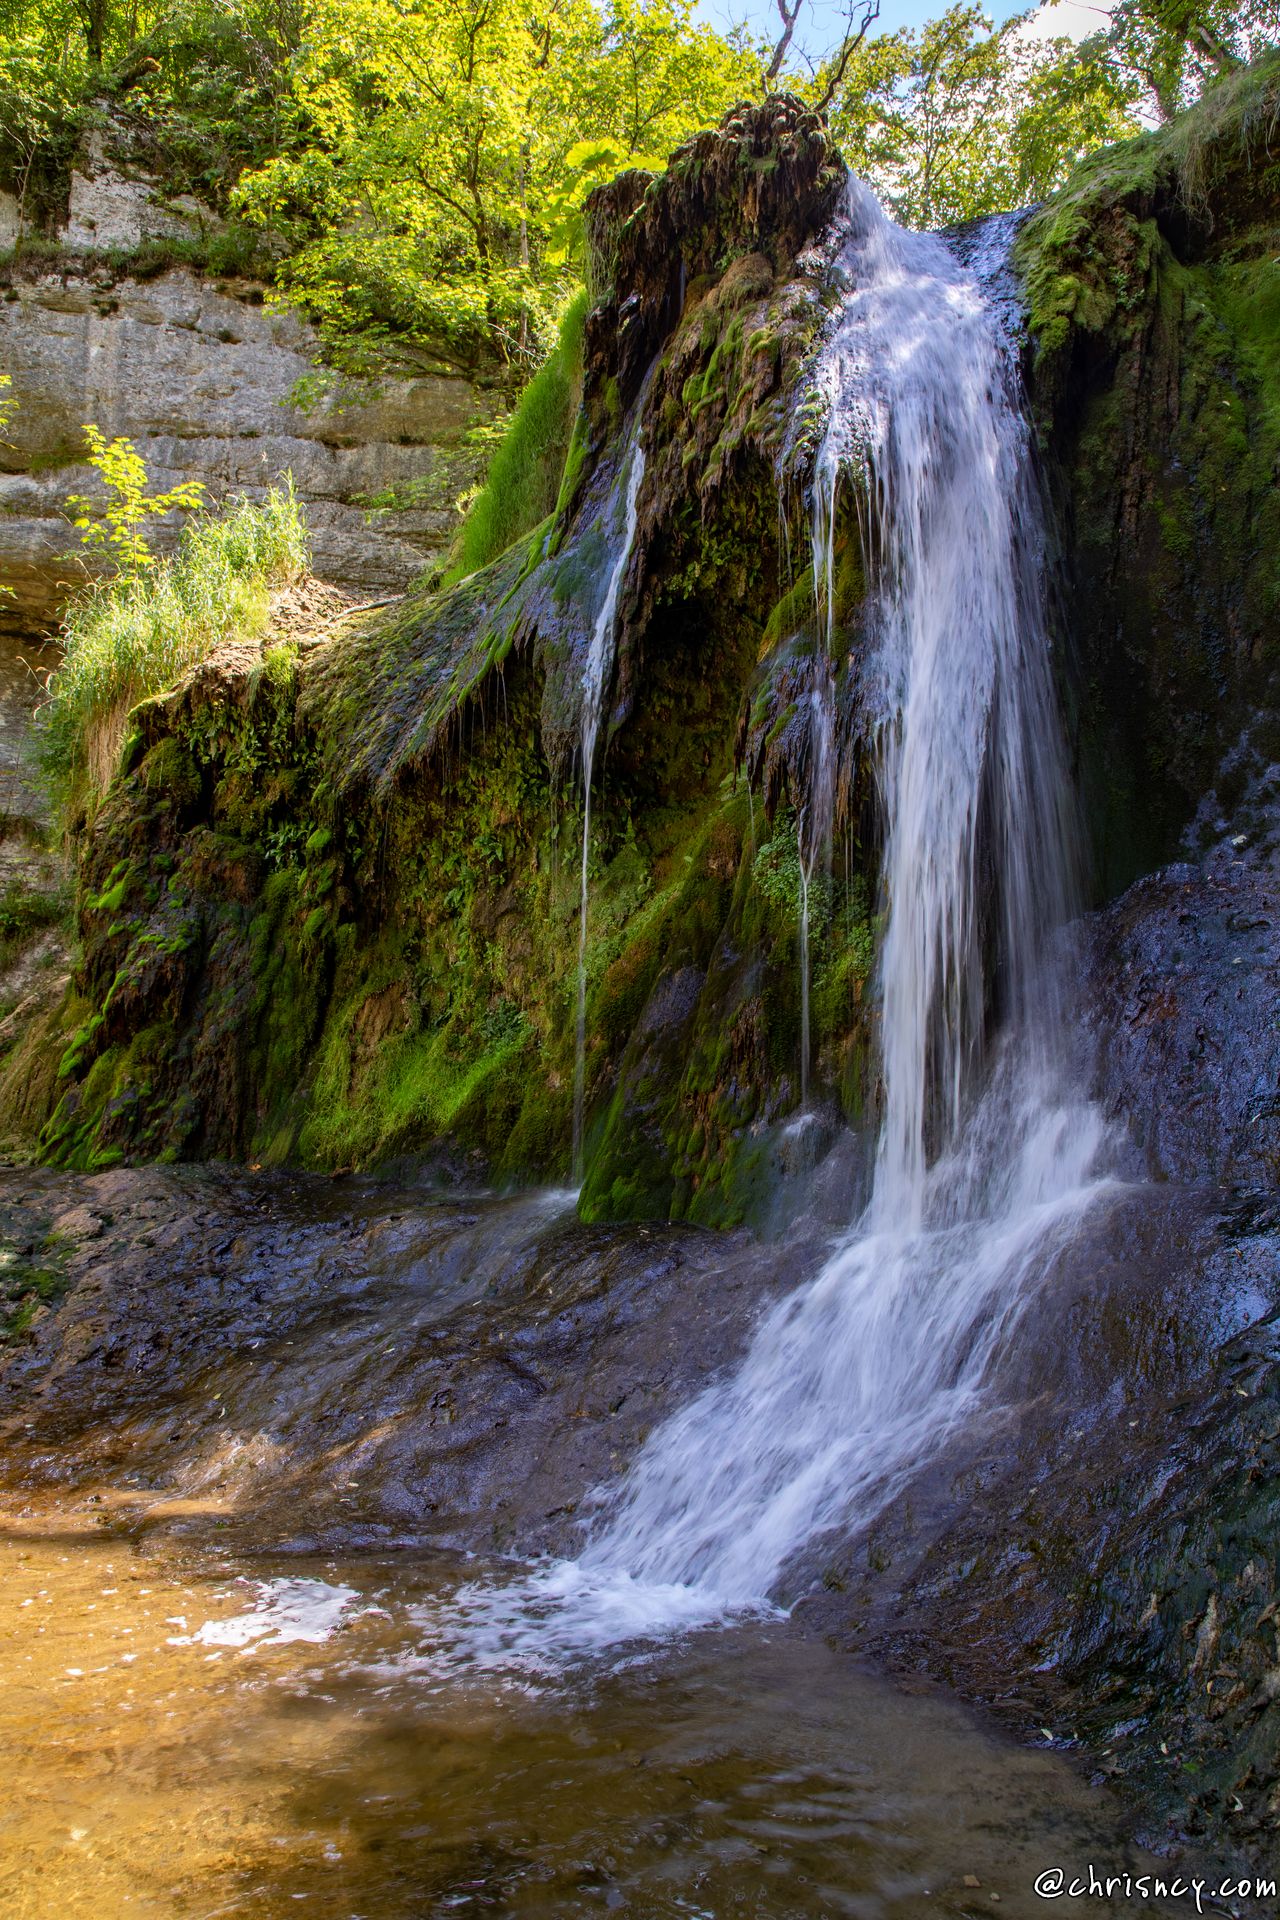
(189, 1733)
(260, 1434)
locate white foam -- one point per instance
(282, 1611)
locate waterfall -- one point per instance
(957, 687)
(595, 680)
(986, 1154)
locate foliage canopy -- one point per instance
(413, 170)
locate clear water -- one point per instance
(813, 829)
(164, 1757)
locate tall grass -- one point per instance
(524, 475)
(1233, 123)
(136, 635)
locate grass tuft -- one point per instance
(128, 638)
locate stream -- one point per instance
(255, 1458)
(200, 1733)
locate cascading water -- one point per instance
(817, 810)
(957, 687)
(595, 679)
(813, 828)
(985, 1157)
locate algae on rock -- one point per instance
(328, 907)
(1154, 308)
(328, 911)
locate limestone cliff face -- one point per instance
(200, 374)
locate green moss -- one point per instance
(415, 1086)
(384, 700)
(1153, 274)
(116, 891)
(32, 1277)
(381, 853)
(280, 666)
(792, 612)
(170, 769)
(1086, 258)
(525, 474)
(575, 461)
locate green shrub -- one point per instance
(235, 249)
(23, 912)
(524, 474)
(136, 635)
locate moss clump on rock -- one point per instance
(329, 909)
(523, 483)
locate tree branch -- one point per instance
(789, 16)
(869, 14)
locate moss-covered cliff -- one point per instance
(1154, 303)
(330, 906)
(329, 909)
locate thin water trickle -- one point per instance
(986, 1154)
(813, 832)
(595, 680)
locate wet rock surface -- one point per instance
(35, 901)
(326, 999)
(1104, 1558)
(1153, 382)
(299, 1365)
(352, 1362)
(1100, 1563)
(1189, 962)
(763, 184)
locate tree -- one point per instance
(1069, 99)
(957, 119)
(1171, 49)
(412, 171)
(113, 528)
(420, 184)
(38, 116)
(94, 18)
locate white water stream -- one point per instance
(986, 1155)
(813, 830)
(595, 681)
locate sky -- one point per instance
(822, 22)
